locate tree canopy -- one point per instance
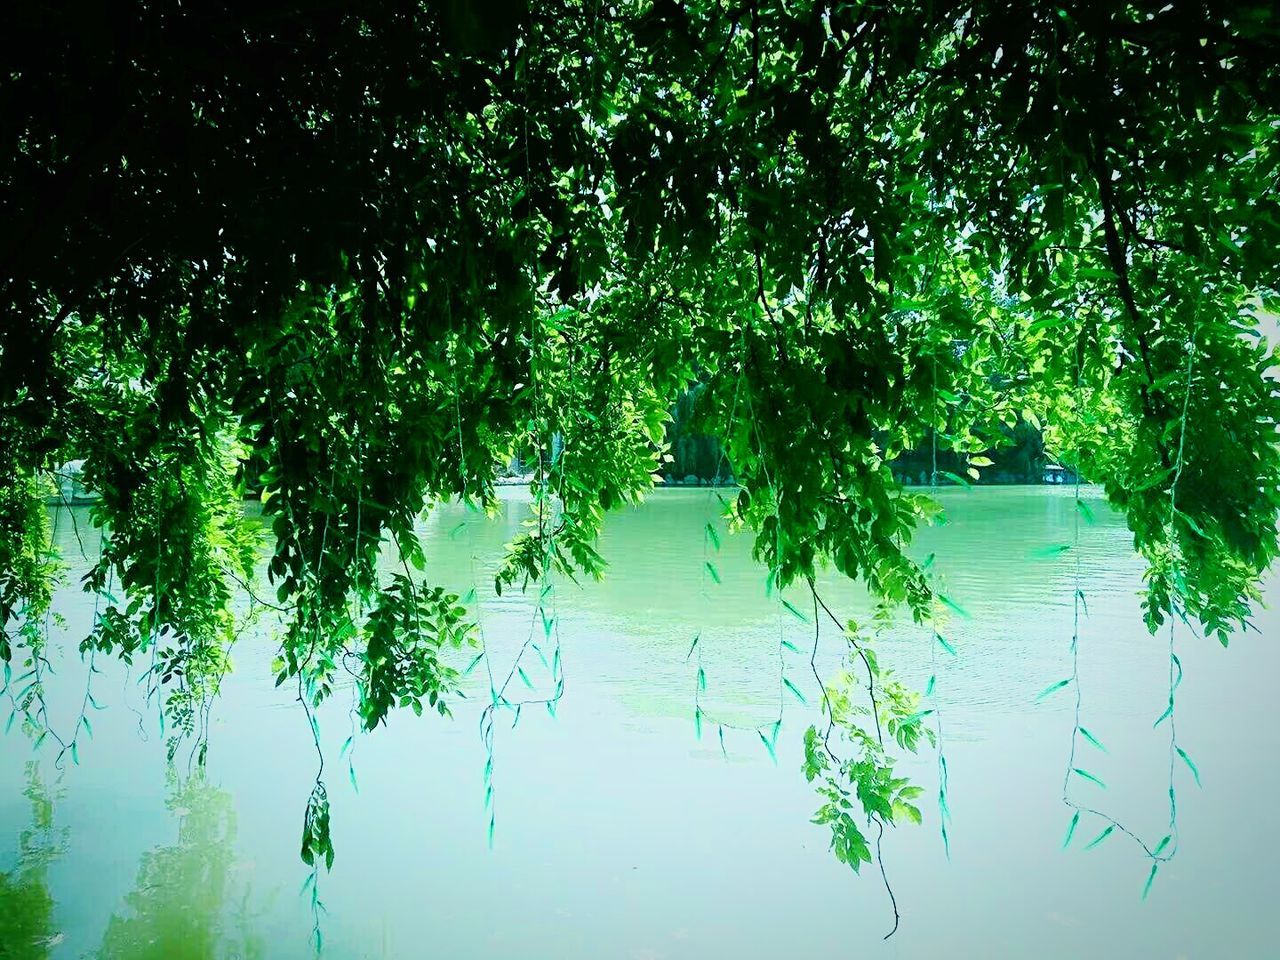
(360, 256)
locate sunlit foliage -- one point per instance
(360, 257)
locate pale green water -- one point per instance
(621, 835)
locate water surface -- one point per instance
(621, 834)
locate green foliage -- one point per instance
(365, 276)
(860, 789)
(29, 571)
(317, 845)
(400, 665)
(27, 566)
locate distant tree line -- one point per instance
(697, 457)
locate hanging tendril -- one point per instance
(1167, 847)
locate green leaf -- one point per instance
(712, 537)
(711, 569)
(768, 746)
(1092, 739)
(702, 679)
(351, 773)
(946, 645)
(492, 823)
(1071, 830)
(794, 612)
(692, 647)
(1085, 511)
(1155, 480)
(8, 725)
(928, 690)
(524, 677)
(1168, 712)
(1191, 766)
(697, 722)
(1196, 528)
(1089, 776)
(1146, 888)
(1052, 688)
(1161, 845)
(473, 664)
(723, 752)
(1100, 837)
(952, 605)
(795, 691)
(790, 646)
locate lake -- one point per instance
(621, 833)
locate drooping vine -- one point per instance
(936, 640)
(1166, 848)
(709, 576)
(377, 229)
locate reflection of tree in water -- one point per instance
(176, 910)
(26, 905)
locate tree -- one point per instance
(382, 250)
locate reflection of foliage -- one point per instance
(26, 906)
(176, 909)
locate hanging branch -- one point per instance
(1167, 847)
(710, 571)
(936, 640)
(872, 673)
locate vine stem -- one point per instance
(893, 901)
(818, 602)
(1158, 854)
(742, 389)
(944, 812)
(547, 528)
(862, 655)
